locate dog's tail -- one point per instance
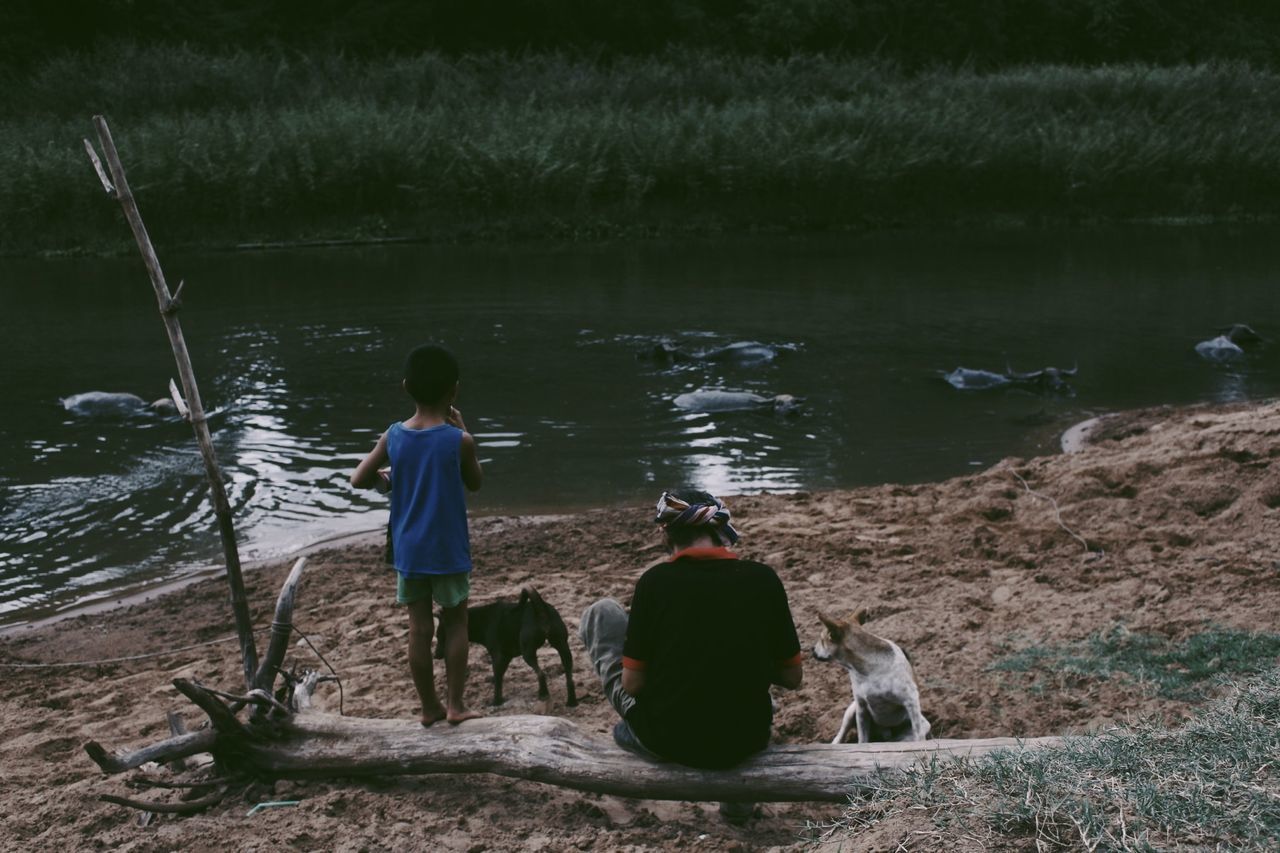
(530, 596)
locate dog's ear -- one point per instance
(859, 616)
(836, 629)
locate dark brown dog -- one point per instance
(507, 629)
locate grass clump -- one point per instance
(1173, 670)
(1213, 782)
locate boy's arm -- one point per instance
(472, 476)
(366, 475)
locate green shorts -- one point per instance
(447, 590)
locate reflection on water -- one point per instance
(298, 354)
(1230, 386)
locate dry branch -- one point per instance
(188, 807)
(223, 718)
(186, 373)
(179, 404)
(177, 728)
(306, 688)
(181, 746)
(97, 167)
(263, 700)
(146, 782)
(281, 628)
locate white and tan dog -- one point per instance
(886, 702)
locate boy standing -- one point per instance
(432, 457)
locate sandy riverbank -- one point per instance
(1185, 505)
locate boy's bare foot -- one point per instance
(455, 717)
(432, 715)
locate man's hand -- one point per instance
(383, 486)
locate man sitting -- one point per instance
(689, 671)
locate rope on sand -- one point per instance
(105, 661)
(168, 652)
(1057, 515)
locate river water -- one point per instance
(298, 354)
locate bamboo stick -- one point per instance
(169, 305)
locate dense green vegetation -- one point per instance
(987, 34)
(249, 121)
(1179, 670)
(238, 147)
(1209, 784)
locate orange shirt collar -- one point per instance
(719, 553)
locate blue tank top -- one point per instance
(428, 505)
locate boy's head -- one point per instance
(431, 375)
(688, 515)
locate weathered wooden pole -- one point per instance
(118, 186)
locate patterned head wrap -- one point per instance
(708, 511)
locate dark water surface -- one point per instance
(298, 355)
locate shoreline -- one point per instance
(1074, 439)
(143, 591)
(609, 233)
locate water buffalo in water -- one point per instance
(1230, 345)
(744, 353)
(964, 379)
(664, 354)
(1050, 379)
(738, 401)
(106, 404)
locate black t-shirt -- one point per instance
(710, 633)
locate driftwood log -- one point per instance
(555, 751)
(287, 737)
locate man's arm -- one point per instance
(366, 475)
(632, 680)
(786, 645)
(637, 650)
(790, 674)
